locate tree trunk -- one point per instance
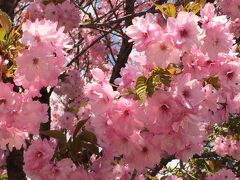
(15, 165)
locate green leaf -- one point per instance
(141, 87)
(4, 176)
(79, 126)
(83, 103)
(153, 81)
(59, 136)
(214, 81)
(90, 147)
(214, 165)
(72, 109)
(195, 7)
(168, 9)
(85, 140)
(174, 69)
(160, 75)
(156, 80)
(87, 21)
(88, 136)
(74, 148)
(5, 24)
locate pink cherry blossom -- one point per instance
(65, 13)
(222, 174)
(33, 65)
(217, 40)
(188, 91)
(162, 53)
(38, 32)
(37, 157)
(143, 31)
(184, 30)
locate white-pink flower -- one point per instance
(143, 31)
(184, 30)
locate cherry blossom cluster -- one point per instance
(222, 174)
(97, 53)
(65, 13)
(38, 163)
(181, 80)
(225, 146)
(70, 104)
(172, 121)
(230, 8)
(20, 117)
(40, 64)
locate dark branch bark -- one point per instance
(15, 165)
(45, 99)
(210, 1)
(8, 6)
(126, 47)
(119, 20)
(75, 59)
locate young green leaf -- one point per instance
(168, 9)
(141, 87)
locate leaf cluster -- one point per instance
(79, 147)
(145, 87)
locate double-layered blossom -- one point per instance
(65, 13)
(184, 30)
(37, 156)
(143, 31)
(222, 174)
(41, 64)
(20, 116)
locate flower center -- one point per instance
(39, 154)
(37, 38)
(163, 47)
(145, 150)
(35, 61)
(3, 101)
(230, 75)
(126, 113)
(164, 107)
(145, 35)
(216, 42)
(124, 140)
(183, 33)
(186, 93)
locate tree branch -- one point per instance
(126, 47)
(9, 6)
(45, 99)
(15, 165)
(119, 20)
